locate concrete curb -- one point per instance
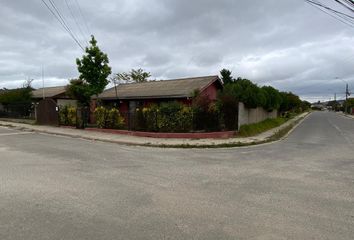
(163, 143)
(298, 122)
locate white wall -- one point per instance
(67, 102)
(253, 115)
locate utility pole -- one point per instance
(335, 102)
(346, 97)
(347, 93)
(43, 83)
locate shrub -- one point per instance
(101, 117)
(228, 107)
(71, 117)
(174, 117)
(168, 117)
(67, 115)
(205, 114)
(146, 119)
(115, 120)
(108, 118)
(184, 119)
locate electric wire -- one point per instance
(76, 21)
(89, 32)
(61, 21)
(333, 15)
(328, 8)
(62, 18)
(344, 5)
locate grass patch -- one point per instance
(257, 128)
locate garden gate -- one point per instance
(47, 112)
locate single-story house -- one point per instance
(1, 92)
(58, 94)
(128, 97)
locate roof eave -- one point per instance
(145, 97)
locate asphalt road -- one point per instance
(54, 187)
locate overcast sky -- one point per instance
(287, 44)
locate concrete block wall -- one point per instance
(253, 115)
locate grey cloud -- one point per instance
(287, 44)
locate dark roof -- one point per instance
(48, 92)
(176, 88)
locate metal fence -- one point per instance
(17, 110)
(160, 122)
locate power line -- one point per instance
(63, 20)
(328, 8)
(76, 22)
(83, 18)
(346, 19)
(320, 6)
(60, 19)
(344, 5)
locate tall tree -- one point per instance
(94, 69)
(226, 76)
(273, 98)
(135, 75)
(139, 75)
(79, 90)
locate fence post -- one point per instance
(156, 121)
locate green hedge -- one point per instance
(176, 117)
(168, 117)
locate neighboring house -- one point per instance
(58, 94)
(351, 110)
(318, 105)
(1, 106)
(128, 97)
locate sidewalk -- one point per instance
(157, 142)
(346, 115)
(349, 116)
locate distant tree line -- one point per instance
(252, 95)
(17, 102)
(18, 95)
